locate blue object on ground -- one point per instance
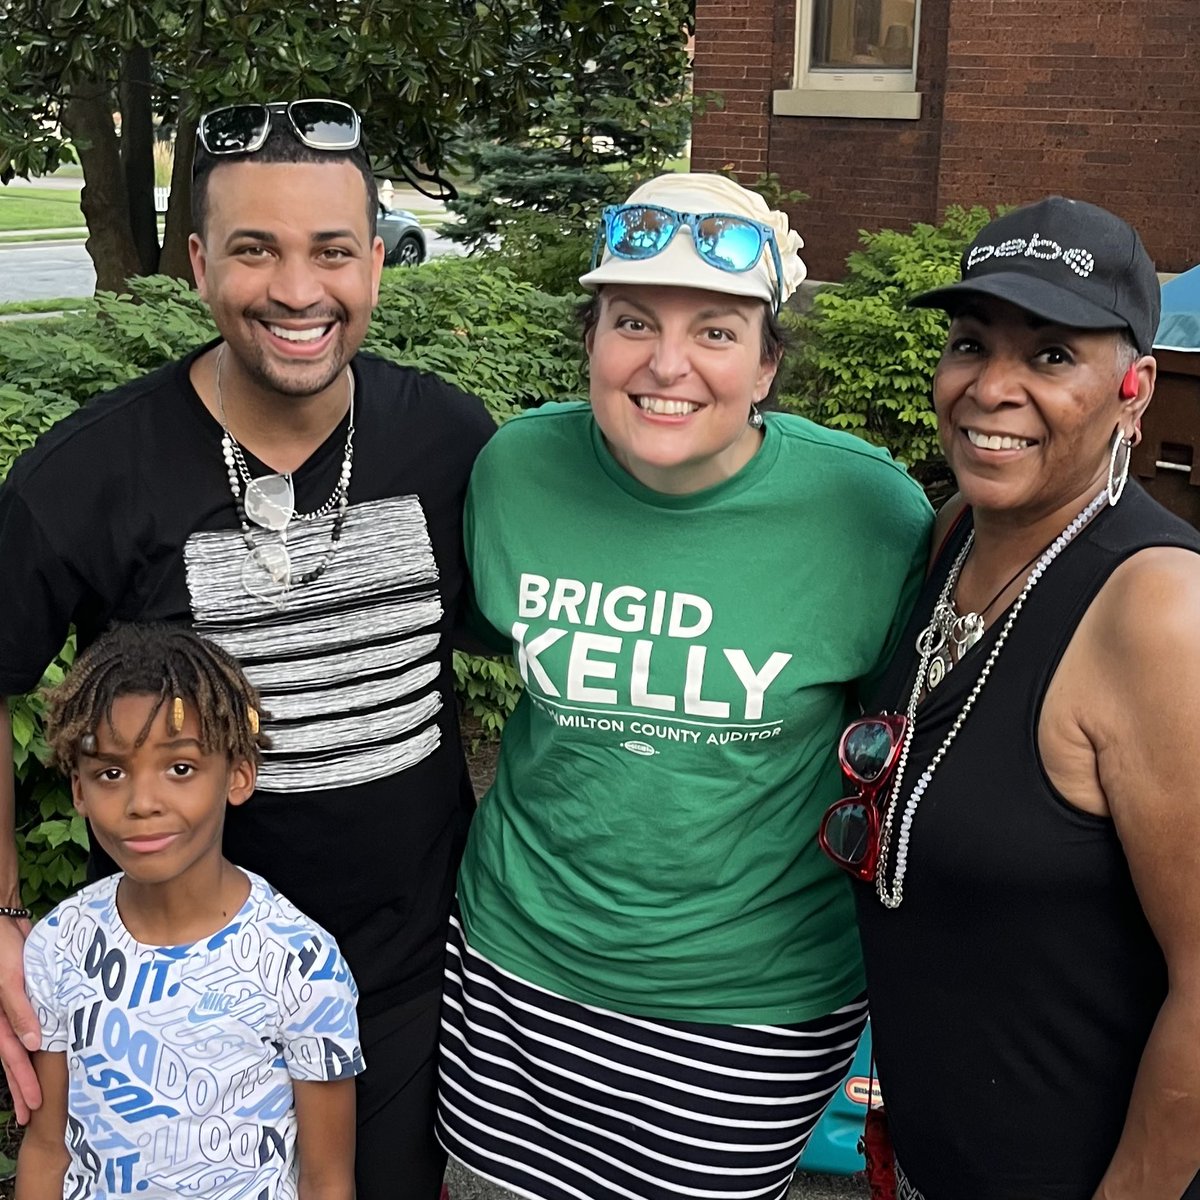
(833, 1147)
(1179, 327)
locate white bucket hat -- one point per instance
(680, 266)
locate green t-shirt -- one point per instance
(649, 845)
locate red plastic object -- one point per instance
(876, 1148)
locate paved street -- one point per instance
(41, 270)
(44, 270)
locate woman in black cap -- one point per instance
(1026, 825)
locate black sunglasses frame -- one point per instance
(264, 114)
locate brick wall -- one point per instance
(1098, 99)
(857, 174)
(735, 52)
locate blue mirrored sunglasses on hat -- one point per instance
(726, 241)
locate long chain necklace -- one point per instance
(269, 502)
(893, 895)
(951, 635)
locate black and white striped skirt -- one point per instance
(564, 1101)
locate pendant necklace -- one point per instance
(950, 635)
(892, 895)
(269, 501)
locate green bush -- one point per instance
(474, 324)
(865, 360)
(488, 689)
(51, 838)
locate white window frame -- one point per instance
(888, 92)
(868, 79)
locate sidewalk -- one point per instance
(33, 235)
(56, 183)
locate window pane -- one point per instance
(869, 35)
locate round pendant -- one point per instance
(937, 672)
(270, 501)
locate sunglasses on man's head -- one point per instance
(723, 240)
(868, 753)
(243, 128)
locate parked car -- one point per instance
(403, 237)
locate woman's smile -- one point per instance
(674, 372)
(1026, 408)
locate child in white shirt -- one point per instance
(199, 1034)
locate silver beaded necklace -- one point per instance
(271, 495)
(893, 895)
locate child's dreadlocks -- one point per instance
(166, 661)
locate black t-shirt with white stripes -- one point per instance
(123, 512)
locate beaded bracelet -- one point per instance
(21, 914)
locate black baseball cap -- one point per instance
(1066, 261)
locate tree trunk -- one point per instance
(137, 154)
(88, 120)
(174, 259)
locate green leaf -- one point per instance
(22, 727)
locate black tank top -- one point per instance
(1013, 990)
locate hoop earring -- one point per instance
(755, 420)
(1116, 482)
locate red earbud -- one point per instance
(1129, 385)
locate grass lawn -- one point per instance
(38, 208)
(60, 304)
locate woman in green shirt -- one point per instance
(654, 984)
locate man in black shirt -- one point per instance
(300, 504)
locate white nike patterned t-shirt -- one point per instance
(181, 1058)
